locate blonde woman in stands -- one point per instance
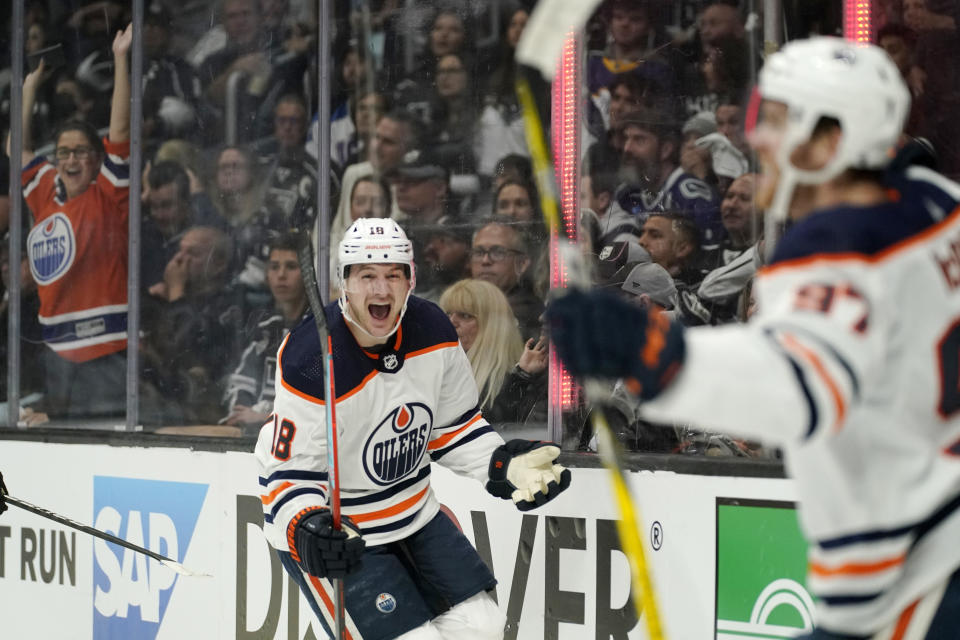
(509, 373)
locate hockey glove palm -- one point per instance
(600, 335)
(523, 470)
(321, 550)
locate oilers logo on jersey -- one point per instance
(386, 603)
(396, 446)
(52, 248)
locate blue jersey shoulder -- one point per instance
(921, 199)
(424, 325)
(301, 361)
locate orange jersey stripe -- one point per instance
(442, 345)
(412, 354)
(444, 439)
(268, 498)
(856, 568)
(327, 601)
(296, 392)
(794, 345)
(903, 622)
(357, 388)
(390, 511)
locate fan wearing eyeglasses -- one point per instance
(500, 254)
(78, 249)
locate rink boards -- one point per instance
(725, 554)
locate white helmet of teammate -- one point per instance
(857, 84)
(374, 241)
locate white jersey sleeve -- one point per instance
(291, 455)
(798, 366)
(465, 441)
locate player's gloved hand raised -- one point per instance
(600, 335)
(524, 471)
(323, 551)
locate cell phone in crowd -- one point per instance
(52, 57)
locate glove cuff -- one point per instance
(498, 485)
(292, 530)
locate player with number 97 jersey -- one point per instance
(851, 362)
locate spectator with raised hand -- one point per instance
(174, 204)
(509, 373)
(655, 180)
(78, 249)
(193, 321)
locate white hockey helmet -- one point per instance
(856, 84)
(374, 241)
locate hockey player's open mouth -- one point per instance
(378, 311)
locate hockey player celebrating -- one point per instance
(851, 361)
(405, 395)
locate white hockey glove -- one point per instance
(524, 471)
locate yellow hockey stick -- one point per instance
(628, 525)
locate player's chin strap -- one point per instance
(345, 310)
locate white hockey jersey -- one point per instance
(396, 410)
(853, 366)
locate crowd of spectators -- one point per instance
(425, 128)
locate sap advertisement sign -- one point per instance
(131, 592)
(711, 542)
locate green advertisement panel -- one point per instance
(761, 572)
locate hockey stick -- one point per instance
(628, 524)
(165, 561)
(309, 275)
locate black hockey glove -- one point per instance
(323, 551)
(523, 470)
(599, 335)
(3, 492)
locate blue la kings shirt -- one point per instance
(680, 193)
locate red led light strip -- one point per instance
(566, 157)
(856, 21)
